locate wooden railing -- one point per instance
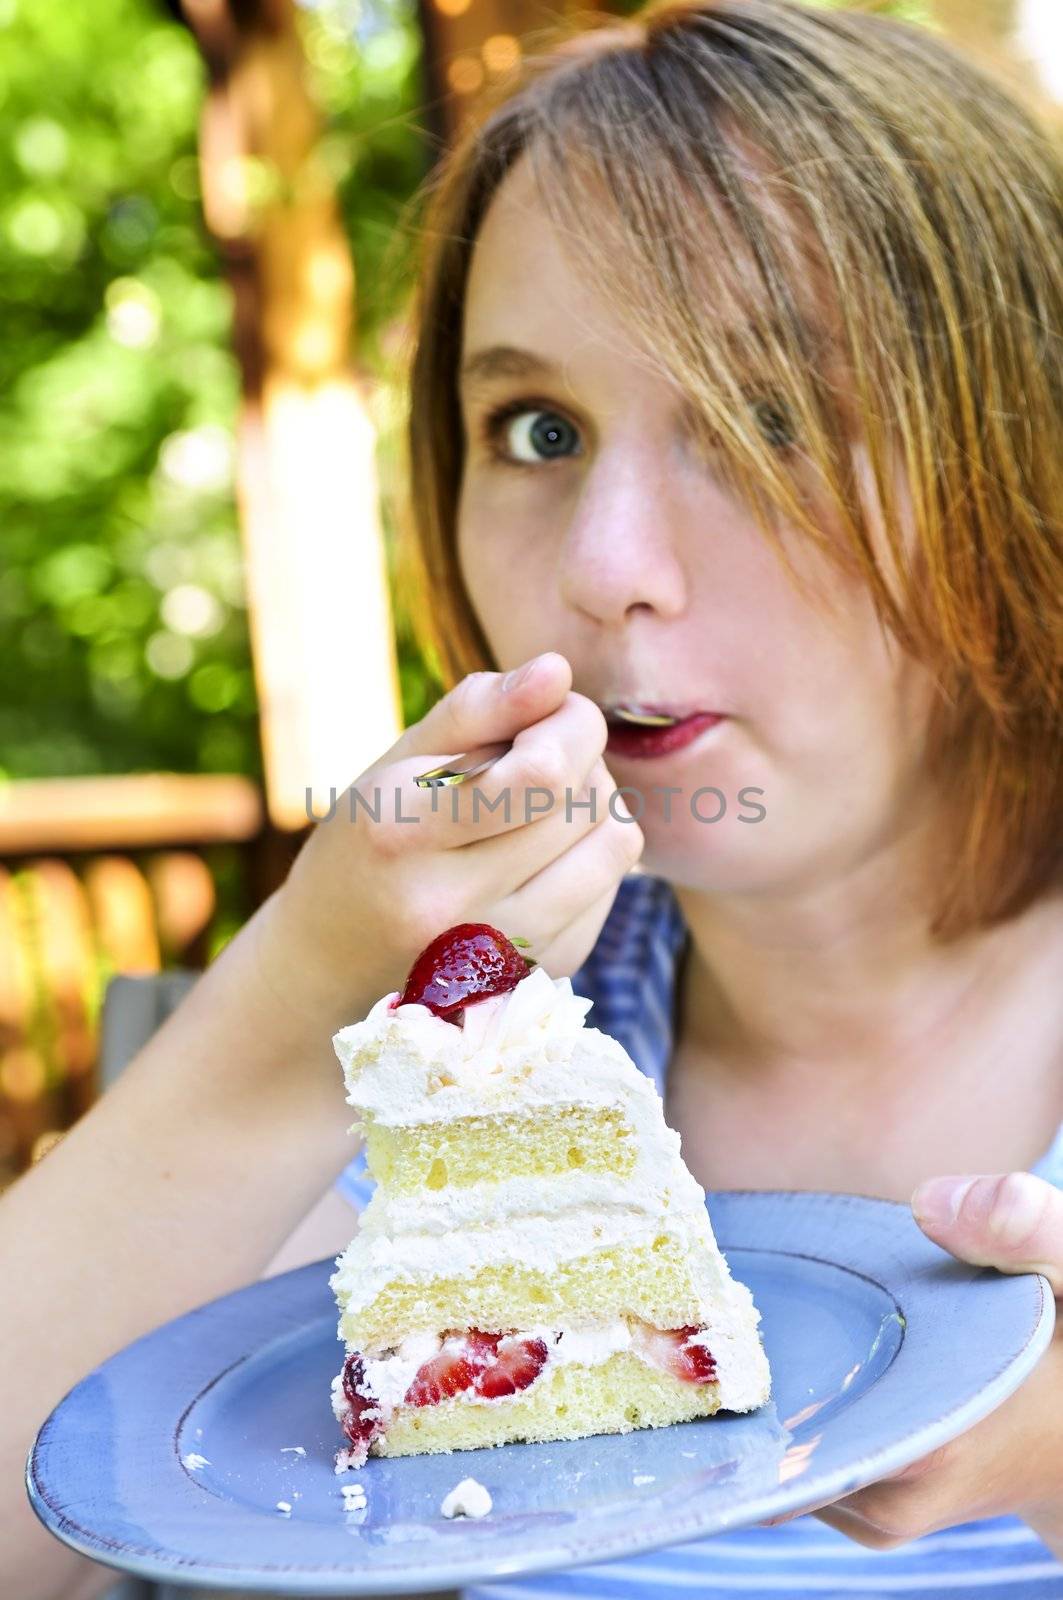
(101, 876)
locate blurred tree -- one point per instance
(122, 622)
(307, 483)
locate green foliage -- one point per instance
(122, 613)
(365, 63)
(906, 10)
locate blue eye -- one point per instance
(524, 435)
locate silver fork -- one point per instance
(460, 768)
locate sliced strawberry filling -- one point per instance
(363, 1420)
(494, 1365)
(487, 1364)
(679, 1351)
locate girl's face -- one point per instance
(590, 523)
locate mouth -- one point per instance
(637, 714)
(639, 729)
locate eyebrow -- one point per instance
(510, 361)
(505, 361)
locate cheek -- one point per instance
(837, 674)
(836, 712)
(486, 564)
(477, 551)
(850, 770)
(506, 574)
(854, 706)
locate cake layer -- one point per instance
(653, 1283)
(382, 1262)
(567, 1402)
(468, 1150)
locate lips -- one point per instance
(644, 740)
(641, 718)
(643, 713)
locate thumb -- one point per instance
(1012, 1221)
(488, 708)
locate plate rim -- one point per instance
(559, 1551)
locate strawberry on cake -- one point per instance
(536, 1262)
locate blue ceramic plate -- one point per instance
(170, 1459)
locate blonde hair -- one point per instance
(822, 163)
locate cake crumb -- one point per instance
(292, 1450)
(467, 1499)
(192, 1462)
(284, 1508)
(354, 1499)
(643, 1477)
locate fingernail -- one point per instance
(519, 675)
(938, 1201)
(1020, 1207)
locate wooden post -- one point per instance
(325, 659)
(469, 44)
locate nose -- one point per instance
(622, 548)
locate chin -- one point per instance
(708, 859)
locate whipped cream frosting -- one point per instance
(528, 1050)
(403, 1064)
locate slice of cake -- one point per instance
(536, 1261)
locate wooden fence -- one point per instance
(103, 876)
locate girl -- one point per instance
(736, 398)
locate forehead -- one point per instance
(534, 282)
(523, 281)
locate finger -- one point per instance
(497, 864)
(919, 1468)
(549, 762)
(569, 947)
(1012, 1221)
(858, 1528)
(487, 707)
(900, 1508)
(855, 1503)
(551, 754)
(542, 775)
(560, 893)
